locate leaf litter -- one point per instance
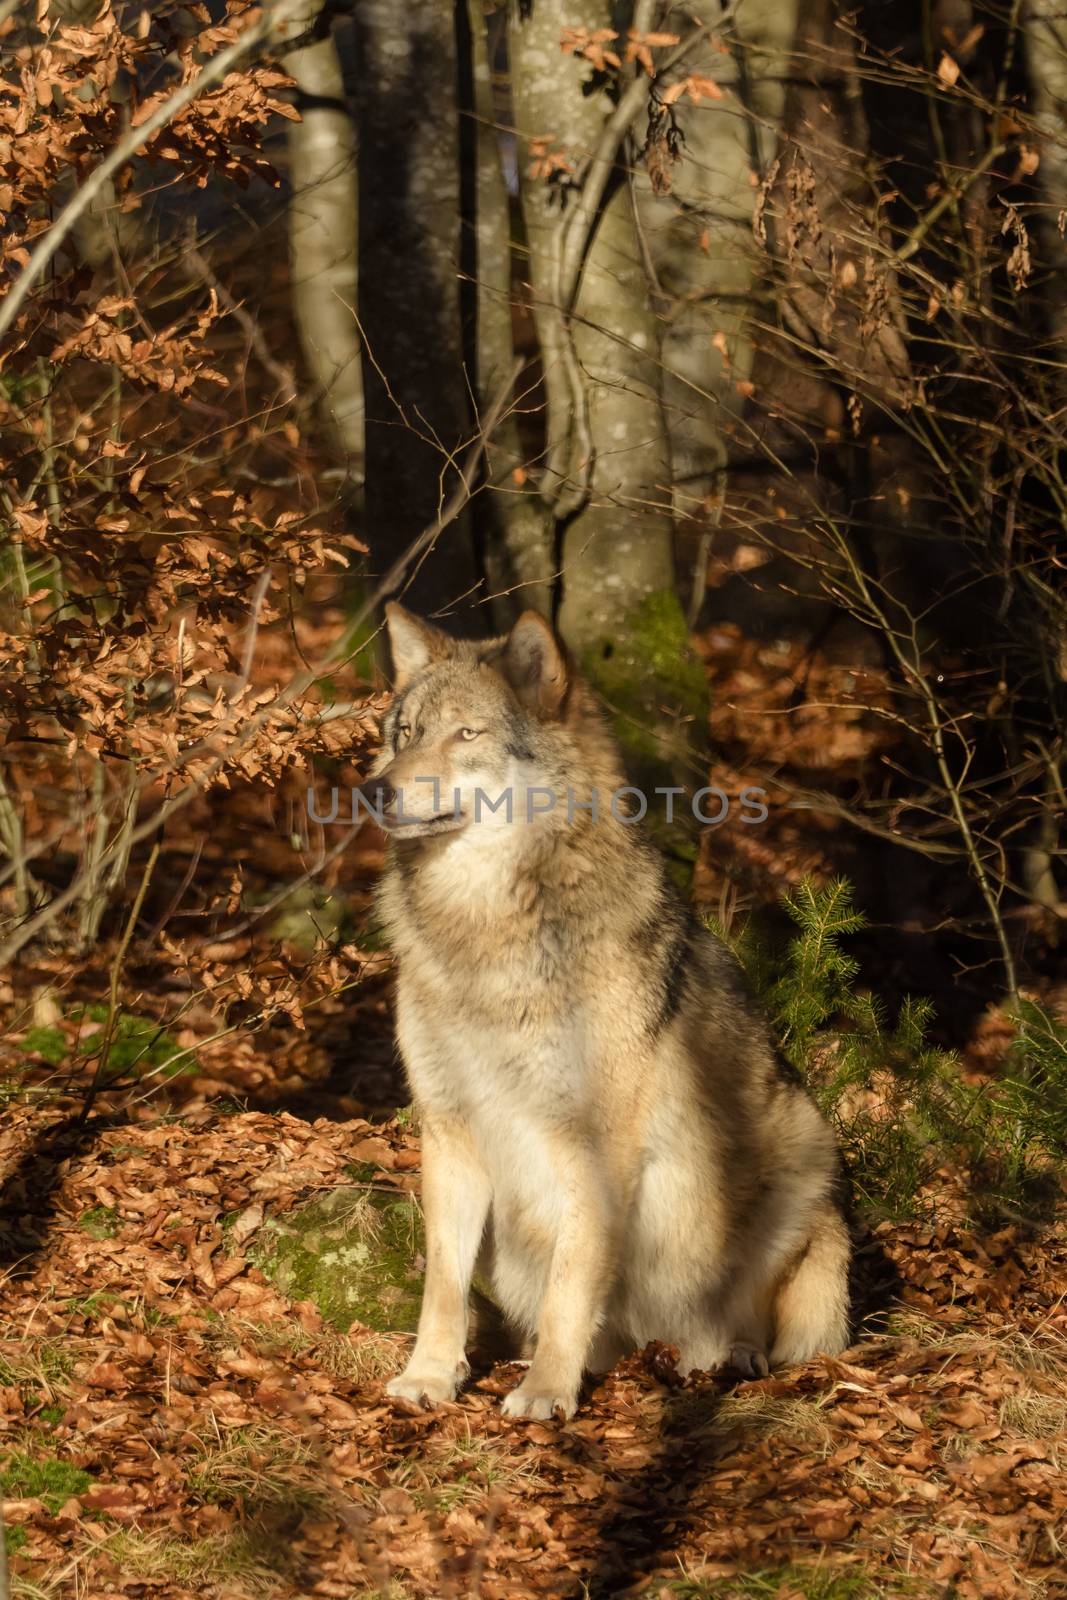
(172, 1422)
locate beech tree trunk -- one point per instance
(704, 258)
(607, 470)
(322, 232)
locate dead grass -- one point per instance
(39, 1368)
(465, 1471)
(971, 1536)
(1034, 1415)
(366, 1357)
(262, 1468)
(1043, 1351)
(814, 1582)
(751, 1416)
(217, 1560)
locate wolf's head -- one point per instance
(475, 727)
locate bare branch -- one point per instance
(212, 72)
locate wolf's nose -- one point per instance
(377, 794)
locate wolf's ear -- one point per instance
(534, 665)
(414, 643)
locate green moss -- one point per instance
(364, 641)
(49, 1043)
(100, 1222)
(655, 689)
(14, 1539)
(136, 1043)
(652, 681)
(362, 1172)
(45, 1478)
(353, 1254)
(306, 915)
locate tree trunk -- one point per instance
(607, 474)
(418, 407)
(322, 232)
(706, 263)
(514, 524)
(1044, 24)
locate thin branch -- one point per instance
(950, 197)
(262, 586)
(283, 375)
(424, 543)
(113, 988)
(212, 72)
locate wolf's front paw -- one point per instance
(427, 1384)
(540, 1402)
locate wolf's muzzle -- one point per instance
(377, 795)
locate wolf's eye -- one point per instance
(470, 733)
(403, 731)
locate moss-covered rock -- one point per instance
(352, 1252)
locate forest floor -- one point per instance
(207, 1279)
(176, 1424)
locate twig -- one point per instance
(113, 987)
(176, 900)
(262, 585)
(424, 543)
(287, 889)
(283, 376)
(12, 838)
(950, 197)
(711, 522)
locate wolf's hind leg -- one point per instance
(608, 1347)
(811, 1305)
(455, 1200)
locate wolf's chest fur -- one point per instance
(494, 1012)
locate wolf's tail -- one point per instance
(811, 1305)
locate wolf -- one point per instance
(609, 1140)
